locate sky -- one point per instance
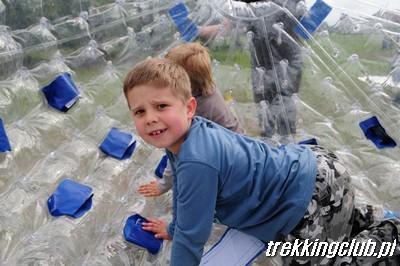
(364, 6)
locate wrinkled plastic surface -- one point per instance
(347, 71)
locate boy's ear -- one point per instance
(191, 107)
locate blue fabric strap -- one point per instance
(118, 144)
(376, 133)
(388, 214)
(134, 233)
(186, 27)
(178, 11)
(313, 19)
(161, 166)
(61, 93)
(311, 141)
(4, 143)
(70, 198)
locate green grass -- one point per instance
(239, 57)
(373, 58)
(368, 47)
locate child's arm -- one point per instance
(196, 189)
(165, 183)
(150, 189)
(156, 188)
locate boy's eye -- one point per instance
(138, 112)
(162, 106)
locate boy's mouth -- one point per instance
(157, 132)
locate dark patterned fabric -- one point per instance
(370, 225)
(329, 214)
(332, 216)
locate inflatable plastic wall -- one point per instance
(290, 70)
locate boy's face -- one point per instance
(161, 118)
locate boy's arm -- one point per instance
(196, 187)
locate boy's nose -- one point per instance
(151, 118)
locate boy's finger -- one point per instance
(152, 220)
(149, 192)
(145, 194)
(149, 228)
(157, 222)
(147, 186)
(142, 189)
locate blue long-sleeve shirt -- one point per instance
(242, 182)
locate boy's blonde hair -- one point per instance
(160, 73)
(196, 61)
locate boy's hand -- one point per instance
(212, 30)
(150, 190)
(157, 226)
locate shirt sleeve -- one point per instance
(196, 187)
(171, 227)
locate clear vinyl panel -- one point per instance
(287, 81)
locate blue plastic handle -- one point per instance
(374, 131)
(313, 19)
(186, 27)
(134, 233)
(161, 166)
(70, 198)
(118, 144)
(311, 141)
(61, 93)
(4, 143)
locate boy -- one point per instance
(285, 193)
(194, 58)
(244, 183)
